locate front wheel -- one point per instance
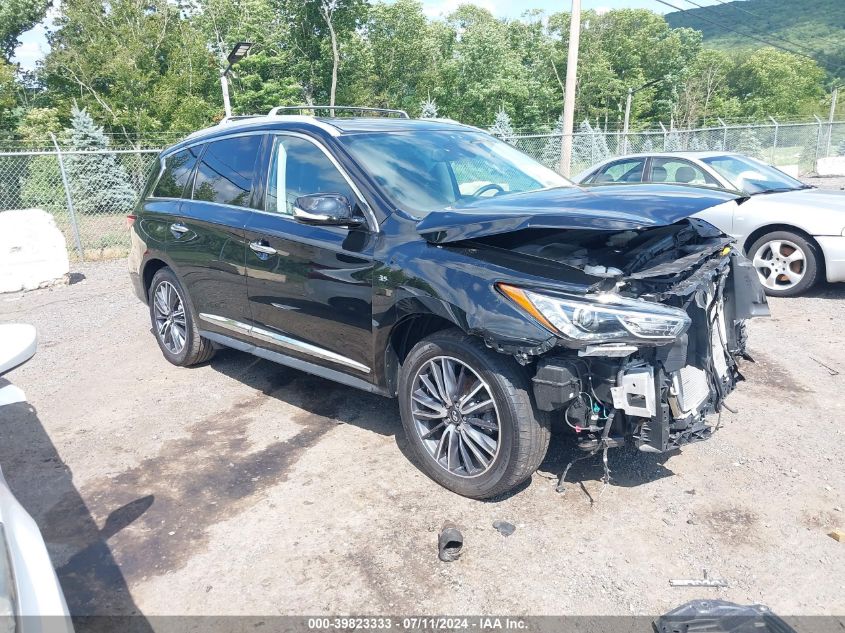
(786, 263)
(468, 416)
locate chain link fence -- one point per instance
(90, 192)
(794, 145)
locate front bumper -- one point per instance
(833, 249)
(660, 397)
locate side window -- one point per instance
(300, 168)
(628, 170)
(177, 171)
(227, 170)
(674, 170)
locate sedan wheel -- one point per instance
(785, 263)
(455, 417)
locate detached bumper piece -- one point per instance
(722, 617)
(660, 397)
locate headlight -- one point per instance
(602, 317)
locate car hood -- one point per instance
(815, 198)
(610, 207)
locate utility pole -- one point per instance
(569, 89)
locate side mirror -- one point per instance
(328, 209)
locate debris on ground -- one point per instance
(720, 615)
(505, 528)
(829, 369)
(698, 582)
(837, 535)
(450, 542)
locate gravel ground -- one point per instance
(826, 182)
(241, 487)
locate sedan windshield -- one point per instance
(426, 171)
(752, 176)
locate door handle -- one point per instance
(178, 229)
(263, 248)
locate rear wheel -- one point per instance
(786, 263)
(174, 322)
(468, 415)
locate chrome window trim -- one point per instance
(282, 341)
(368, 212)
(205, 141)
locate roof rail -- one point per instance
(237, 117)
(299, 109)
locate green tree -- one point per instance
(16, 17)
(41, 183)
(502, 126)
(769, 82)
(749, 144)
(137, 65)
(405, 52)
(98, 183)
(428, 109)
(588, 146)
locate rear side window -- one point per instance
(227, 171)
(628, 170)
(177, 171)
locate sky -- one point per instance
(33, 43)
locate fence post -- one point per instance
(830, 120)
(818, 139)
(73, 223)
(775, 140)
(663, 127)
(724, 134)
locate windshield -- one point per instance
(427, 171)
(752, 176)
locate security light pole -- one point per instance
(238, 53)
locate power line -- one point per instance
(727, 28)
(778, 37)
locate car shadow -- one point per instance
(629, 467)
(825, 290)
(319, 397)
(91, 579)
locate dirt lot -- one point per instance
(241, 487)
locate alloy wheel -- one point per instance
(455, 416)
(169, 314)
(780, 264)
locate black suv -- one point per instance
(429, 261)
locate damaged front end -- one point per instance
(651, 349)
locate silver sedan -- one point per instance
(793, 233)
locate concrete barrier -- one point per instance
(33, 253)
(834, 166)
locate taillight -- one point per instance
(130, 220)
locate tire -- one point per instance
(786, 253)
(193, 349)
(522, 436)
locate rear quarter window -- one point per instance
(177, 171)
(226, 173)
